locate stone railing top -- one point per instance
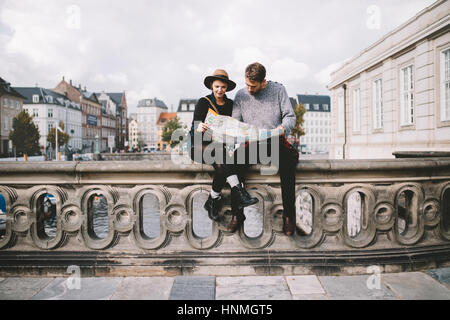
(168, 166)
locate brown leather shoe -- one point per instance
(236, 221)
(288, 226)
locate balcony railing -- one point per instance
(350, 214)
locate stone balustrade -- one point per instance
(393, 213)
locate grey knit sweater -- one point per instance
(267, 109)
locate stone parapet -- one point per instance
(350, 214)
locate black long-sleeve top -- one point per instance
(202, 106)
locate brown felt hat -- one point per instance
(221, 75)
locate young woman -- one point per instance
(219, 83)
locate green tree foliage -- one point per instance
(25, 134)
(63, 137)
(169, 128)
(298, 128)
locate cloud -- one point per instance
(324, 76)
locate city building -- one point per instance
(91, 113)
(133, 137)
(164, 117)
(109, 126)
(148, 114)
(48, 108)
(11, 103)
(120, 99)
(317, 123)
(185, 111)
(394, 95)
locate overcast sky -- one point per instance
(165, 49)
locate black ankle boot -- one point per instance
(241, 197)
(213, 207)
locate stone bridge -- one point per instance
(351, 214)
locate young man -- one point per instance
(266, 105)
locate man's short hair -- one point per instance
(255, 72)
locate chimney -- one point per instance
(63, 78)
(71, 82)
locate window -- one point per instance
(325, 107)
(17, 105)
(357, 110)
(316, 106)
(377, 102)
(5, 102)
(341, 114)
(406, 96)
(50, 126)
(50, 113)
(36, 113)
(11, 103)
(5, 123)
(184, 107)
(192, 107)
(35, 98)
(445, 85)
(307, 106)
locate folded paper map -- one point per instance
(232, 132)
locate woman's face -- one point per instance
(219, 88)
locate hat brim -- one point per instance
(210, 79)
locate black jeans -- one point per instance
(222, 171)
(286, 169)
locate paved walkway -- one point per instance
(430, 284)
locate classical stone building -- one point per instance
(92, 112)
(48, 108)
(10, 105)
(395, 95)
(148, 114)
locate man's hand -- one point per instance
(281, 128)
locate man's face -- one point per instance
(254, 87)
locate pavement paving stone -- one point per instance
(193, 288)
(91, 288)
(252, 288)
(415, 285)
(22, 288)
(151, 288)
(304, 285)
(310, 297)
(360, 287)
(442, 275)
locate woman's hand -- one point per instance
(202, 127)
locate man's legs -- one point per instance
(287, 178)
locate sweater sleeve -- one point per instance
(201, 109)
(288, 118)
(237, 114)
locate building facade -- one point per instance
(11, 103)
(395, 95)
(91, 112)
(133, 137)
(48, 108)
(164, 117)
(148, 114)
(317, 123)
(121, 119)
(109, 125)
(185, 112)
